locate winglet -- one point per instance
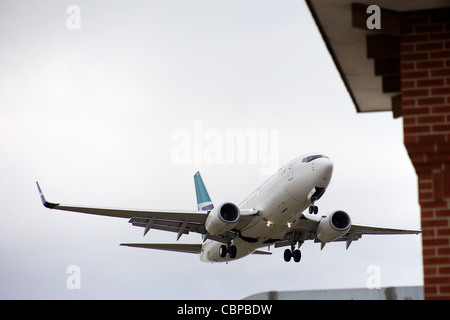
(46, 204)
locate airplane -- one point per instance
(273, 214)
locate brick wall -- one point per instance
(425, 92)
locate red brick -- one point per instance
(416, 160)
(421, 148)
(444, 289)
(442, 127)
(440, 109)
(406, 48)
(437, 157)
(429, 28)
(432, 138)
(435, 205)
(409, 139)
(409, 84)
(444, 270)
(428, 167)
(414, 38)
(426, 223)
(431, 119)
(416, 129)
(446, 178)
(444, 90)
(443, 251)
(427, 101)
(415, 93)
(430, 64)
(440, 36)
(414, 74)
(415, 110)
(443, 148)
(430, 82)
(438, 279)
(414, 56)
(443, 232)
(430, 271)
(407, 66)
(438, 297)
(429, 252)
(408, 102)
(412, 19)
(430, 46)
(409, 121)
(440, 54)
(425, 185)
(437, 184)
(424, 195)
(428, 290)
(434, 261)
(440, 73)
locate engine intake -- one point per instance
(333, 226)
(222, 219)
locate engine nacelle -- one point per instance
(222, 219)
(333, 226)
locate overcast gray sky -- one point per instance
(94, 114)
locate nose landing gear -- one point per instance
(318, 193)
(313, 209)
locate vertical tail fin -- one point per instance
(203, 200)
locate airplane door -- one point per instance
(290, 171)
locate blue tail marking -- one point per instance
(203, 200)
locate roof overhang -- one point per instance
(368, 60)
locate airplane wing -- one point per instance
(357, 231)
(180, 222)
(306, 227)
(178, 247)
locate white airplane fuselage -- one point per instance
(280, 201)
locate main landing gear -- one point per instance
(291, 253)
(231, 250)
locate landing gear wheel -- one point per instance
(297, 255)
(287, 255)
(223, 251)
(232, 250)
(313, 209)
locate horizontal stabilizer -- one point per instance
(178, 247)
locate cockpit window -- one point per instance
(314, 157)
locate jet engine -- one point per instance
(222, 219)
(333, 226)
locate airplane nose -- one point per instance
(323, 169)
